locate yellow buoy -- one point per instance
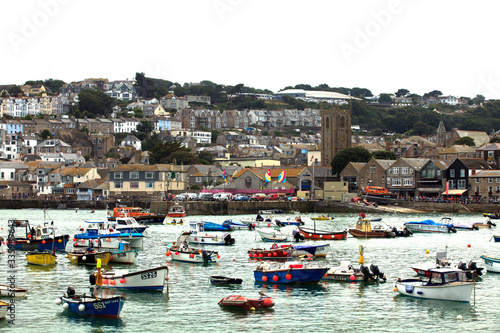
(426, 251)
(395, 289)
(252, 309)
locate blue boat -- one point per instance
(290, 272)
(103, 233)
(212, 226)
(42, 238)
(92, 306)
(430, 226)
(238, 225)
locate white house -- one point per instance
(8, 170)
(132, 141)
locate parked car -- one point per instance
(180, 197)
(223, 196)
(206, 196)
(190, 196)
(273, 196)
(240, 197)
(258, 197)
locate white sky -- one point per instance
(451, 46)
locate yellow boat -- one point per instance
(321, 218)
(89, 257)
(45, 258)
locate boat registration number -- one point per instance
(149, 275)
(120, 255)
(321, 249)
(99, 305)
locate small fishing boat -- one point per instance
(365, 228)
(289, 251)
(124, 255)
(198, 236)
(42, 237)
(176, 211)
(222, 280)
(272, 236)
(349, 273)
(6, 291)
(424, 269)
(45, 258)
(271, 211)
(457, 225)
(322, 218)
(181, 251)
(89, 257)
(238, 225)
(445, 283)
(494, 215)
(148, 279)
(91, 305)
(315, 234)
(492, 264)
(481, 225)
(290, 272)
(429, 226)
(137, 213)
(238, 301)
(105, 235)
(4, 307)
(289, 221)
(172, 221)
(212, 226)
(496, 238)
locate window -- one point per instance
(150, 184)
(477, 189)
(498, 189)
(118, 185)
(133, 175)
(396, 171)
(404, 170)
(438, 173)
(462, 173)
(199, 179)
(70, 191)
(497, 179)
(118, 175)
(461, 183)
(477, 180)
(490, 180)
(407, 181)
(452, 184)
(490, 189)
(134, 184)
(396, 182)
(452, 173)
(424, 173)
(150, 175)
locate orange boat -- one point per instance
(378, 191)
(137, 213)
(176, 211)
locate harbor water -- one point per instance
(189, 301)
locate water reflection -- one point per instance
(103, 324)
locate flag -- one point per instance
(447, 187)
(282, 177)
(312, 157)
(224, 175)
(268, 176)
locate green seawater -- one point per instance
(189, 302)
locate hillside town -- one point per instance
(47, 153)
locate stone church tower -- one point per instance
(335, 133)
(441, 135)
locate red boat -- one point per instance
(316, 234)
(238, 301)
(275, 252)
(176, 211)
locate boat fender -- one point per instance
(92, 279)
(275, 246)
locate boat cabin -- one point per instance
(44, 231)
(128, 211)
(364, 225)
(197, 227)
(442, 276)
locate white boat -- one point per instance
(492, 264)
(4, 307)
(447, 284)
(348, 273)
(6, 291)
(200, 237)
(272, 236)
(102, 232)
(429, 226)
(181, 251)
(148, 279)
(124, 255)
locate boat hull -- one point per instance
(111, 241)
(103, 307)
(491, 264)
(4, 307)
(149, 279)
(41, 259)
(291, 275)
(460, 291)
(237, 301)
(124, 257)
(6, 291)
(372, 234)
(48, 244)
(222, 280)
(193, 257)
(89, 258)
(151, 219)
(428, 228)
(322, 235)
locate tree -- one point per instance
(45, 134)
(204, 157)
(385, 98)
(478, 99)
(166, 152)
(16, 91)
(383, 155)
(466, 140)
(402, 92)
(350, 154)
(420, 128)
(145, 127)
(95, 102)
(495, 139)
(434, 93)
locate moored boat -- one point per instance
(492, 264)
(198, 236)
(212, 226)
(89, 257)
(223, 280)
(290, 272)
(137, 213)
(147, 279)
(494, 215)
(480, 225)
(322, 218)
(289, 251)
(424, 269)
(272, 236)
(91, 305)
(176, 210)
(7, 291)
(348, 273)
(365, 228)
(247, 303)
(444, 284)
(181, 251)
(105, 236)
(45, 258)
(4, 307)
(41, 238)
(124, 255)
(315, 234)
(429, 226)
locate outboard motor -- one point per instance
(71, 291)
(259, 218)
(366, 272)
(251, 226)
(462, 266)
(452, 229)
(206, 257)
(298, 236)
(492, 224)
(228, 240)
(377, 272)
(278, 222)
(473, 267)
